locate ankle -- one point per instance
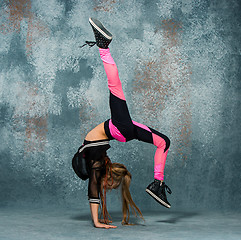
(159, 180)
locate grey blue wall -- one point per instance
(179, 61)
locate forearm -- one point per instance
(94, 212)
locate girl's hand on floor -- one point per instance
(101, 225)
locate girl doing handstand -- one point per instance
(101, 172)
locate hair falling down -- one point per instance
(116, 175)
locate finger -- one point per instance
(112, 226)
(107, 226)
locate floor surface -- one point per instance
(64, 224)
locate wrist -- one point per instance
(96, 221)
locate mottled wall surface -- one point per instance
(179, 61)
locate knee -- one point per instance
(161, 141)
(164, 143)
(168, 142)
(129, 132)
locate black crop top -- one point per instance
(94, 152)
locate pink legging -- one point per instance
(121, 127)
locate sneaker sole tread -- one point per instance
(157, 198)
(103, 31)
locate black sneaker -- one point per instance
(102, 36)
(157, 190)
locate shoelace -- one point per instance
(168, 189)
(89, 43)
(164, 186)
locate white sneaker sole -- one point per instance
(157, 198)
(97, 28)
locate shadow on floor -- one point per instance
(171, 217)
(115, 216)
(81, 217)
(174, 218)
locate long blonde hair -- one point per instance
(116, 175)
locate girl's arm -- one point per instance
(94, 213)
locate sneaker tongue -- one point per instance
(162, 183)
(159, 182)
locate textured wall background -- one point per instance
(179, 61)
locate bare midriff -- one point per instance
(98, 133)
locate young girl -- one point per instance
(101, 172)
